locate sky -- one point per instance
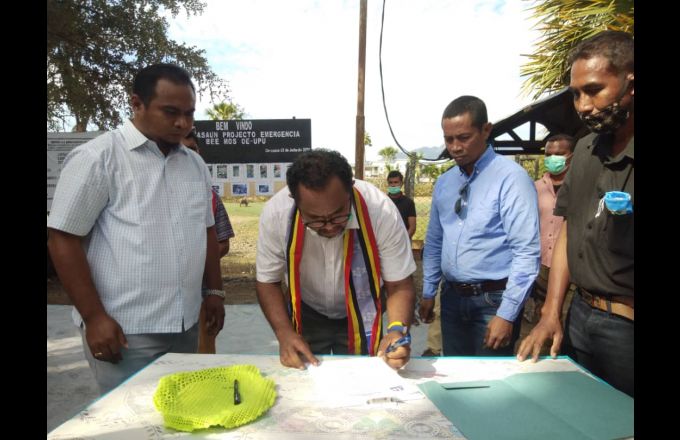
(299, 58)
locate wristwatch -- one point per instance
(216, 292)
(397, 326)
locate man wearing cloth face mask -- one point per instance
(595, 246)
(558, 151)
(406, 207)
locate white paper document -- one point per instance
(359, 382)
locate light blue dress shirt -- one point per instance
(143, 216)
(495, 236)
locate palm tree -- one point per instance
(388, 154)
(367, 139)
(225, 111)
(564, 23)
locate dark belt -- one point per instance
(474, 289)
(615, 304)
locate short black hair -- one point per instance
(144, 84)
(314, 170)
(395, 173)
(616, 46)
(563, 137)
(467, 104)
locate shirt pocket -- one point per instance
(193, 201)
(485, 217)
(619, 234)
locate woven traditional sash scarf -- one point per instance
(362, 279)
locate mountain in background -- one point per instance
(428, 152)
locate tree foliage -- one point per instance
(224, 111)
(388, 154)
(95, 47)
(367, 139)
(563, 24)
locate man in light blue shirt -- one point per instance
(482, 239)
(131, 233)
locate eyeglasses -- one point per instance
(338, 220)
(462, 200)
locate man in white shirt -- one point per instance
(337, 242)
(130, 226)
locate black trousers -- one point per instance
(323, 334)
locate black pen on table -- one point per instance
(237, 395)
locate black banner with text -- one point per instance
(253, 140)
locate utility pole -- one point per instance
(359, 146)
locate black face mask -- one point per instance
(610, 118)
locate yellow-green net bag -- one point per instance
(200, 399)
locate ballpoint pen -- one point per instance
(404, 340)
(237, 395)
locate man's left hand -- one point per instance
(397, 358)
(498, 333)
(214, 314)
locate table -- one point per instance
(128, 413)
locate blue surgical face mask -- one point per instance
(555, 164)
(394, 190)
(617, 203)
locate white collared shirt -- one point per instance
(321, 266)
(143, 216)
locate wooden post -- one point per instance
(359, 146)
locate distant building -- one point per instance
(378, 168)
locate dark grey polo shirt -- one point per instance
(600, 251)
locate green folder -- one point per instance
(553, 405)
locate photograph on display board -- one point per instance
(221, 171)
(277, 171)
(210, 169)
(218, 189)
(236, 171)
(239, 189)
(264, 189)
(263, 171)
(250, 171)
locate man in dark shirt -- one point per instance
(595, 246)
(405, 205)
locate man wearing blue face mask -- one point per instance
(558, 151)
(406, 207)
(595, 248)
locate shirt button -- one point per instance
(590, 226)
(580, 254)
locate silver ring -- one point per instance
(99, 353)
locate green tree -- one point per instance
(388, 154)
(95, 47)
(563, 24)
(367, 139)
(225, 111)
(432, 171)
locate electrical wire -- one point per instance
(408, 154)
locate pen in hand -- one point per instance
(237, 395)
(404, 340)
